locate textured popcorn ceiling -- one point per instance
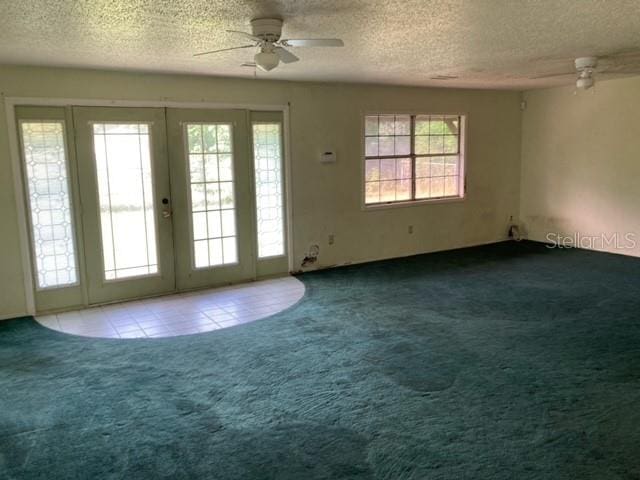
(485, 43)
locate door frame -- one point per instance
(16, 166)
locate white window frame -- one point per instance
(422, 201)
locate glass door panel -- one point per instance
(51, 197)
(211, 183)
(124, 178)
(212, 194)
(125, 193)
(269, 188)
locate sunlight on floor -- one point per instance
(181, 314)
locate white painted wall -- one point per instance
(581, 165)
(326, 198)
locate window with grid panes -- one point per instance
(413, 157)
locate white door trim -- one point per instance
(14, 151)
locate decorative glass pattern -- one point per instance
(267, 154)
(213, 214)
(49, 204)
(412, 157)
(125, 194)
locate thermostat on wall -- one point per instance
(328, 157)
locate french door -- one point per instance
(133, 202)
(123, 174)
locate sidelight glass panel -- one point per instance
(213, 214)
(267, 155)
(125, 193)
(49, 204)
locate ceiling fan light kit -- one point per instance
(265, 35)
(266, 61)
(586, 67)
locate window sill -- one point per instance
(413, 203)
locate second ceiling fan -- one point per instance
(265, 35)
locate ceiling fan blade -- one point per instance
(222, 50)
(313, 42)
(249, 64)
(246, 35)
(285, 55)
(550, 75)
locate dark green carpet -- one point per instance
(509, 361)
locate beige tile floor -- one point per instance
(181, 314)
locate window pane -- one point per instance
(372, 170)
(125, 192)
(422, 125)
(403, 145)
(199, 225)
(452, 125)
(403, 125)
(387, 169)
(223, 133)
(436, 126)
(450, 144)
(437, 187)
(371, 125)
(196, 168)
(423, 187)
(387, 125)
(423, 168)
(371, 147)
(212, 200)
(50, 207)
(216, 254)
(403, 168)
(210, 167)
(451, 186)
(201, 253)
(267, 154)
(214, 223)
(403, 190)
(451, 165)
(436, 144)
(386, 146)
(388, 191)
(437, 166)
(422, 145)
(372, 192)
(195, 138)
(209, 138)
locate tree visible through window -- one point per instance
(413, 157)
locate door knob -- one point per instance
(166, 212)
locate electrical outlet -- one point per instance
(331, 239)
(410, 229)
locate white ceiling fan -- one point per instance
(265, 35)
(586, 68)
